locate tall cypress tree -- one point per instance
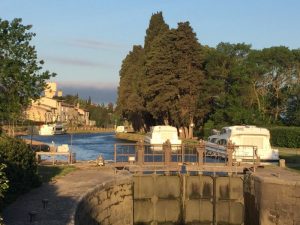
(160, 84)
(189, 61)
(157, 26)
(130, 102)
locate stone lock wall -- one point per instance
(109, 203)
(188, 199)
(272, 199)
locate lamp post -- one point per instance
(191, 130)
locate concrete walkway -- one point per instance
(63, 196)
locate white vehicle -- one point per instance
(250, 141)
(121, 129)
(160, 134)
(46, 130)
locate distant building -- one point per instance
(47, 109)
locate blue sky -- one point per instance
(85, 41)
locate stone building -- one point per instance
(48, 109)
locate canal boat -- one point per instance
(59, 129)
(46, 130)
(160, 134)
(250, 143)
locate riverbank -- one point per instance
(130, 136)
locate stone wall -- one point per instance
(272, 198)
(185, 199)
(109, 203)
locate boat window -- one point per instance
(223, 131)
(214, 140)
(222, 142)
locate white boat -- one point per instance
(121, 129)
(160, 134)
(59, 128)
(46, 130)
(250, 142)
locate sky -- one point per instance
(85, 41)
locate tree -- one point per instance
(160, 88)
(130, 101)
(280, 74)
(190, 74)
(21, 75)
(157, 26)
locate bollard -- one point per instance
(45, 203)
(32, 216)
(282, 163)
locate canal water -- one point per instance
(86, 146)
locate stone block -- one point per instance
(167, 211)
(167, 187)
(228, 212)
(199, 187)
(143, 211)
(198, 211)
(143, 187)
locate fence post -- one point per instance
(230, 149)
(140, 152)
(200, 151)
(167, 151)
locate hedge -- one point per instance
(21, 167)
(288, 137)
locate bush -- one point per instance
(288, 137)
(21, 167)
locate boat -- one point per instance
(46, 130)
(250, 143)
(121, 129)
(59, 128)
(52, 129)
(160, 134)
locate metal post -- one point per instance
(200, 151)
(167, 152)
(140, 152)
(230, 148)
(115, 153)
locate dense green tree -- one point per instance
(130, 102)
(157, 26)
(189, 69)
(160, 88)
(21, 75)
(179, 82)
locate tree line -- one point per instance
(103, 115)
(175, 80)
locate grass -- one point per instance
(291, 156)
(49, 173)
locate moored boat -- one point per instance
(46, 130)
(160, 134)
(250, 143)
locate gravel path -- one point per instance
(63, 195)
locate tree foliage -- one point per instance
(175, 80)
(21, 75)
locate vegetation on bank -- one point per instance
(291, 157)
(175, 80)
(50, 173)
(22, 79)
(20, 168)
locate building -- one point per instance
(49, 109)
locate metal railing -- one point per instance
(199, 154)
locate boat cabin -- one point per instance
(247, 139)
(160, 134)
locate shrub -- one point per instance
(288, 137)
(21, 167)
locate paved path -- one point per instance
(63, 196)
